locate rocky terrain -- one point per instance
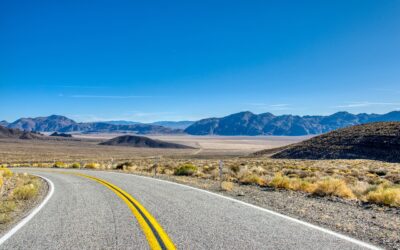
(141, 142)
(247, 123)
(376, 141)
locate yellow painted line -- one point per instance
(155, 234)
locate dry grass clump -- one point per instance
(25, 192)
(295, 184)
(227, 186)
(385, 195)
(334, 187)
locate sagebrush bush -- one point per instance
(187, 169)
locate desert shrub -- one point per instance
(59, 164)
(226, 186)
(92, 165)
(389, 196)
(186, 169)
(5, 172)
(25, 192)
(76, 165)
(334, 187)
(252, 179)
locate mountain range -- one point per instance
(242, 123)
(247, 123)
(63, 124)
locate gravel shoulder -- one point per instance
(24, 208)
(375, 224)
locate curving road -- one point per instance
(85, 213)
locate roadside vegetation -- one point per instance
(359, 180)
(16, 190)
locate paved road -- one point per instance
(85, 214)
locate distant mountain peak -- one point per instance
(247, 123)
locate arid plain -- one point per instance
(355, 197)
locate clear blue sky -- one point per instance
(175, 60)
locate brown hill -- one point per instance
(141, 142)
(376, 141)
(18, 134)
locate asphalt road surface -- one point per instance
(105, 210)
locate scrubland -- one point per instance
(16, 193)
(360, 180)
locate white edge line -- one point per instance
(324, 230)
(32, 214)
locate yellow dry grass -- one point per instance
(389, 196)
(15, 190)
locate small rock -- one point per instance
(240, 194)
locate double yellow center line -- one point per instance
(155, 234)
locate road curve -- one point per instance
(85, 214)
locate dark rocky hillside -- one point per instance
(376, 141)
(247, 123)
(18, 134)
(141, 142)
